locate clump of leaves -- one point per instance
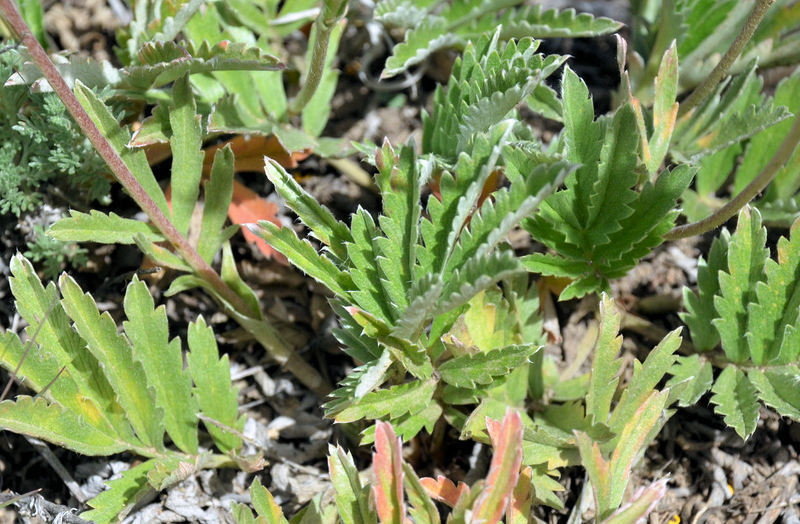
(101, 392)
(506, 494)
(40, 145)
(749, 304)
(406, 278)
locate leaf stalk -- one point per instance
(330, 15)
(765, 176)
(705, 89)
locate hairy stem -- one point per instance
(273, 343)
(331, 13)
(768, 172)
(705, 89)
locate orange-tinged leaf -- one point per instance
(503, 473)
(521, 498)
(443, 489)
(387, 464)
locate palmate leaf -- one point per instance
(163, 62)
(101, 228)
(465, 20)
(481, 368)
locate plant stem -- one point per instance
(11, 15)
(705, 89)
(768, 172)
(331, 13)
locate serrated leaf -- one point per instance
(646, 377)
(135, 159)
(407, 426)
(387, 464)
(700, 305)
(545, 487)
(778, 388)
(477, 274)
(216, 397)
(114, 354)
(536, 22)
(319, 219)
(422, 510)
(55, 424)
(691, 379)
(122, 494)
(352, 499)
(162, 360)
(481, 368)
(746, 258)
(304, 256)
(187, 158)
(605, 366)
(42, 310)
(394, 402)
(165, 61)
(101, 228)
(735, 399)
(265, 504)
(218, 192)
(777, 303)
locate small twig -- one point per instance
(704, 90)
(33, 504)
(59, 468)
(768, 172)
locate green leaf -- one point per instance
(535, 22)
(322, 223)
(215, 395)
(481, 368)
(165, 61)
(477, 274)
(135, 159)
(700, 305)
(230, 275)
(665, 110)
(646, 377)
(773, 315)
(735, 399)
(605, 367)
(187, 157)
(61, 347)
(407, 426)
(122, 495)
(777, 388)
(691, 379)
(304, 256)
(114, 354)
(265, 504)
(746, 258)
(57, 425)
(33, 14)
(422, 510)
(394, 402)
(162, 360)
(352, 498)
(101, 228)
(218, 193)
(316, 112)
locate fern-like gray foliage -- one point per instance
(603, 222)
(750, 304)
(434, 25)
